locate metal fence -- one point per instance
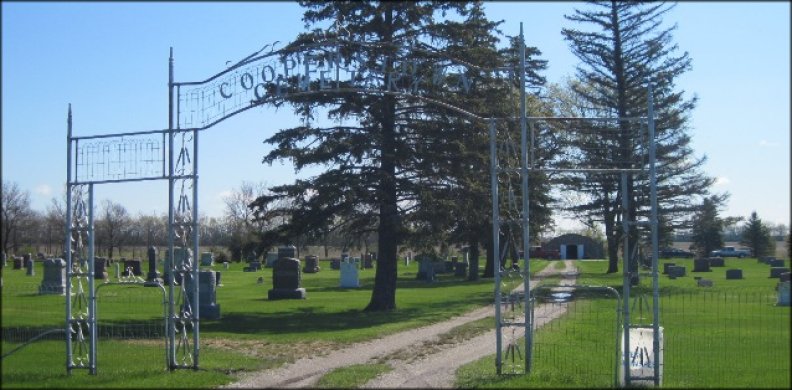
(710, 338)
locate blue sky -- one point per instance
(110, 61)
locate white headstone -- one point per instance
(349, 275)
(225, 265)
(271, 259)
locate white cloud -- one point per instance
(721, 181)
(767, 144)
(43, 190)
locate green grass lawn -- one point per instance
(730, 335)
(252, 333)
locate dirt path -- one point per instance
(435, 370)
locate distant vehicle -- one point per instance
(730, 251)
(667, 253)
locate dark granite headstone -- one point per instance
(766, 259)
(152, 277)
(311, 265)
(701, 265)
(460, 269)
(286, 280)
(30, 268)
(716, 262)
(676, 271)
(426, 270)
(135, 265)
(776, 263)
(666, 266)
(775, 272)
(100, 268)
(208, 309)
(218, 274)
(289, 251)
(368, 261)
(54, 281)
(207, 259)
(733, 274)
(335, 264)
(17, 262)
(784, 277)
(704, 283)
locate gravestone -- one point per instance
(408, 259)
(367, 261)
(784, 277)
(776, 263)
(350, 277)
(54, 281)
(676, 271)
(26, 259)
(666, 266)
(30, 268)
(152, 277)
(288, 251)
(783, 294)
(217, 282)
(135, 265)
(253, 266)
(766, 259)
(182, 257)
(100, 268)
(704, 283)
(701, 265)
(461, 269)
(426, 270)
(448, 266)
(271, 259)
(208, 309)
(17, 262)
(335, 264)
(716, 262)
(311, 265)
(226, 265)
(775, 272)
(286, 280)
(734, 274)
(207, 259)
(117, 271)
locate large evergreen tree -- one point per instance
(624, 47)
(756, 235)
(707, 227)
(380, 150)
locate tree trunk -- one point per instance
(473, 263)
(383, 296)
(613, 243)
(489, 266)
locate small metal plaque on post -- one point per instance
(641, 355)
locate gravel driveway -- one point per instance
(433, 371)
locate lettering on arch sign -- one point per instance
(320, 68)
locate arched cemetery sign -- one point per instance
(268, 76)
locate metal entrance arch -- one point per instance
(172, 154)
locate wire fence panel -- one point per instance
(726, 339)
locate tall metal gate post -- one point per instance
(67, 241)
(526, 274)
(654, 222)
(496, 242)
(170, 275)
(196, 255)
(626, 286)
(91, 286)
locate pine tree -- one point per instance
(756, 235)
(381, 152)
(626, 47)
(707, 227)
